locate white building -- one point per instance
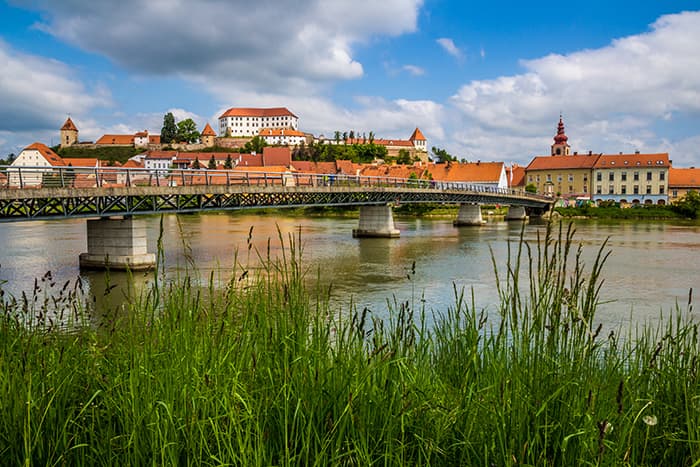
(158, 162)
(34, 155)
(282, 136)
(249, 121)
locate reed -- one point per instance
(263, 372)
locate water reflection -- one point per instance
(652, 267)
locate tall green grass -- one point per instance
(264, 372)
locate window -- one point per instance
(675, 193)
(611, 189)
(585, 189)
(598, 189)
(623, 189)
(636, 176)
(538, 179)
(611, 176)
(571, 177)
(662, 175)
(599, 177)
(623, 176)
(571, 188)
(549, 177)
(661, 189)
(529, 178)
(648, 176)
(648, 189)
(636, 189)
(559, 178)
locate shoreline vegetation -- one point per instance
(263, 372)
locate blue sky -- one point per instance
(485, 80)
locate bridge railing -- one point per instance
(33, 177)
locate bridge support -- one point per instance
(376, 221)
(469, 214)
(117, 244)
(516, 213)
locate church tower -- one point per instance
(69, 133)
(560, 146)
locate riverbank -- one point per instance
(264, 372)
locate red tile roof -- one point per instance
(255, 112)
(518, 178)
(280, 132)
(69, 125)
(685, 178)
(122, 140)
(562, 162)
(208, 131)
(480, 172)
(632, 160)
(82, 162)
(154, 139)
(52, 158)
(417, 135)
(277, 156)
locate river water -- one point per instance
(652, 265)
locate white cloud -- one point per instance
(36, 96)
(414, 70)
(450, 47)
(611, 97)
(266, 45)
(37, 92)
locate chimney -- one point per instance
(590, 153)
(575, 153)
(637, 151)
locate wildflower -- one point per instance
(650, 420)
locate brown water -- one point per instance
(652, 267)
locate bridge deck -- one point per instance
(41, 193)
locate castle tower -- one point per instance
(560, 146)
(69, 133)
(207, 136)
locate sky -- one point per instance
(484, 80)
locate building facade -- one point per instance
(282, 136)
(631, 178)
(242, 122)
(69, 133)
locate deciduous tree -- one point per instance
(187, 131)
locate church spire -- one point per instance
(560, 146)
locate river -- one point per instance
(653, 265)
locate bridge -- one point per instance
(111, 197)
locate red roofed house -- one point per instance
(631, 178)
(115, 140)
(516, 176)
(483, 174)
(562, 174)
(35, 155)
(282, 136)
(241, 122)
(681, 181)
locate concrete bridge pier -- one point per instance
(376, 221)
(516, 213)
(117, 244)
(469, 214)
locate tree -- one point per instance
(337, 137)
(345, 137)
(168, 132)
(212, 162)
(443, 155)
(228, 164)
(404, 157)
(531, 188)
(255, 145)
(352, 134)
(196, 164)
(187, 131)
(689, 205)
(371, 137)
